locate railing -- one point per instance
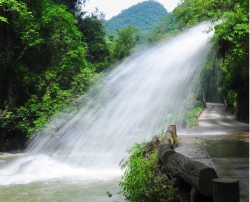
(206, 186)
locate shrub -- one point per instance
(143, 180)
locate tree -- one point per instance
(19, 32)
(94, 35)
(43, 65)
(126, 41)
(190, 12)
(163, 28)
(232, 38)
(73, 5)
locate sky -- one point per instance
(111, 8)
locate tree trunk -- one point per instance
(192, 172)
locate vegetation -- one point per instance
(232, 40)
(48, 57)
(42, 63)
(143, 179)
(142, 15)
(187, 118)
(191, 116)
(225, 76)
(210, 84)
(165, 27)
(127, 38)
(98, 52)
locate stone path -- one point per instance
(221, 142)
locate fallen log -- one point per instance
(192, 172)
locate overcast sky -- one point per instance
(111, 8)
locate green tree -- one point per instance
(19, 32)
(94, 35)
(126, 41)
(72, 5)
(232, 39)
(190, 12)
(43, 65)
(163, 28)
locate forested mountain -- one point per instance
(142, 15)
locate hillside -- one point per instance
(143, 15)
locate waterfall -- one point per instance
(128, 104)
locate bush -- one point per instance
(192, 116)
(143, 180)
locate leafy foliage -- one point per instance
(43, 64)
(232, 39)
(48, 57)
(209, 84)
(165, 27)
(72, 5)
(125, 42)
(193, 11)
(187, 118)
(143, 180)
(98, 52)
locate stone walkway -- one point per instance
(221, 142)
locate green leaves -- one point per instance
(126, 41)
(44, 65)
(232, 41)
(3, 19)
(16, 13)
(143, 180)
(233, 35)
(97, 51)
(58, 27)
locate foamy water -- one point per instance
(42, 167)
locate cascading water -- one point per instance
(129, 104)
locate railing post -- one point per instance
(226, 190)
(172, 128)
